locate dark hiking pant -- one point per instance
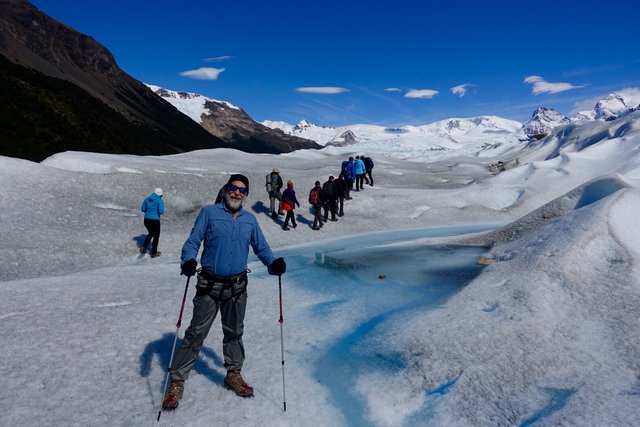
(349, 188)
(290, 217)
(370, 180)
(332, 207)
(325, 209)
(227, 295)
(317, 218)
(272, 203)
(153, 229)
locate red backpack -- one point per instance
(314, 196)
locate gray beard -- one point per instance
(232, 204)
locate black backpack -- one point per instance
(368, 163)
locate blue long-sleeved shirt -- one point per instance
(152, 206)
(226, 240)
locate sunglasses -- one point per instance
(233, 188)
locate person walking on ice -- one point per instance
(289, 203)
(153, 208)
(368, 166)
(316, 200)
(274, 189)
(227, 231)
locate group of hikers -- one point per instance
(325, 199)
(222, 277)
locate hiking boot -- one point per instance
(274, 215)
(156, 255)
(315, 228)
(286, 228)
(173, 396)
(233, 381)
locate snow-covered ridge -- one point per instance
(445, 128)
(613, 106)
(190, 104)
(610, 108)
(543, 121)
(477, 136)
(482, 136)
(446, 137)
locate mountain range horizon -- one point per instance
(77, 98)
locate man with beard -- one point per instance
(227, 231)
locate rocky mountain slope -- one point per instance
(231, 123)
(62, 90)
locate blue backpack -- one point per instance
(345, 169)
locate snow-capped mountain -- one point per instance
(613, 106)
(230, 123)
(482, 136)
(191, 104)
(577, 136)
(610, 108)
(543, 121)
(469, 136)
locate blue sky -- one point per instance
(391, 63)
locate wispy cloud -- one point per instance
(324, 110)
(203, 73)
(399, 107)
(461, 90)
(593, 70)
(421, 93)
(542, 86)
(393, 89)
(218, 58)
(324, 90)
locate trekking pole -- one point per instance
(166, 378)
(284, 398)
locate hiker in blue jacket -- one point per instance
(153, 208)
(360, 171)
(226, 231)
(348, 171)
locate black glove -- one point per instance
(278, 267)
(188, 268)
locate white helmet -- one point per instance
(158, 191)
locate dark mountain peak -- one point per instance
(232, 123)
(65, 91)
(62, 90)
(31, 38)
